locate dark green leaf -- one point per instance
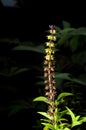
(69, 77)
(39, 49)
(66, 24)
(74, 43)
(63, 39)
(79, 31)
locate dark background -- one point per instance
(29, 23)
(31, 19)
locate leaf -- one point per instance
(39, 49)
(64, 94)
(50, 126)
(46, 128)
(42, 98)
(66, 128)
(65, 24)
(74, 43)
(69, 77)
(63, 125)
(79, 31)
(77, 117)
(13, 71)
(19, 106)
(20, 70)
(75, 121)
(45, 115)
(63, 75)
(63, 39)
(78, 81)
(67, 30)
(83, 119)
(62, 113)
(40, 83)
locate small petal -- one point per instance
(49, 50)
(49, 57)
(51, 26)
(46, 87)
(51, 37)
(45, 74)
(52, 31)
(50, 44)
(45, 62)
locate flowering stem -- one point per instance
(49, 74)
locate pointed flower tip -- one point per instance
(51, 26)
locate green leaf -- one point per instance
(42, 98)
(63, 125)
(63, 75)
(40, 83)
(79, 31)
(83, 119)
(66, 24)
(66, 128)
(45, 115)
(74, 43)
(78, 81)
(69, 77)
(20, 70)
(77, 117)
(19, 106)
(62, 113)
(13, 71)
(63, 39)
(64, 94)
(67, 31)
(39, 49)
(75, 121)
(50, 126)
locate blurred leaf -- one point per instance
(66, 128)
(74, 43)
(69, 77)
(63, 39)
(19, 106)
(20, 71)
(39, 49)
(67, 31)
(79, 31)
(79, 58)
(46, 128)
(40, 83)
(66, 24)
(13, 71)
(62, 75)
(79, 81)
